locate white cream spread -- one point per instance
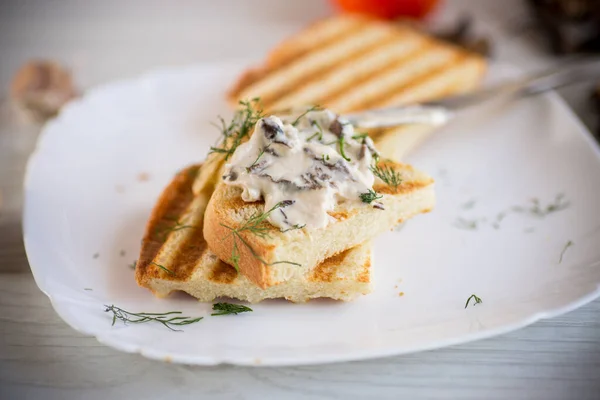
(304, 163)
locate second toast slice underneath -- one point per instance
(275, 256)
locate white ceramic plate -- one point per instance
(86, 204)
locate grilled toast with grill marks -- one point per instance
(349, 63)
(174, 257)
(278, 256)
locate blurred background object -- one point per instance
(569, 26)
(596, 99)
(388, 9)
(462, 34)
(40, 88)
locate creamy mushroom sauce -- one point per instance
(307, 164)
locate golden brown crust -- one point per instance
(405, 186)
(223, 273)
(325, 272)
(221, 240)
(342, 214)
(172, 202)
(365, 275)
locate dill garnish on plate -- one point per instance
(229, 308)
(477, 300)
(564, 250)
(167, 319)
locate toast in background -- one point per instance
(275, 257)
(175, 257)
(350, 63)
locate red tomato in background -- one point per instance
(388, 9)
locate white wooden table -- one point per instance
(41, 357)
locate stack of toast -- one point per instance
(346, 63)
(187, 248)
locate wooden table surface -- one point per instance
(42, 357)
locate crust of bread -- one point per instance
(278, 256)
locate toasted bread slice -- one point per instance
(174, 257)
(277, 257)
(350, 63)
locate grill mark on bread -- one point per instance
(460, 84)
(281, 80)
(392, 78)
(343, 214)
(172, 203)
(365, 274)
(403, 188)
(325, 272)
(335, 99)
(316, 36)
(184, 261)
(317, 88)
(324, 32)
(183, 241)
(418, 84)
(223, 273)
(435, 84)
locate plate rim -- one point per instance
(271, 361)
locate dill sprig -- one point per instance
(360, 136)
(262, 152)
(255, 226)
(313, 108)
(387, 174)
(240, 126)
(228, 308)
(499, 218)
(168, 319)
(538, 210)
(319, 132)
(294, 227)
(167, 270)
(342, 142)
(474, 297)
(468, 205)
(562, 253)
(467, 224)
(370, 196)
(133, 264)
